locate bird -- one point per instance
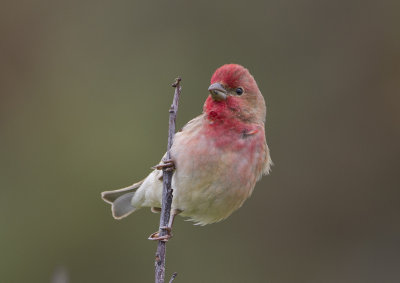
(217, 157)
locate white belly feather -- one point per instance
(208, 184)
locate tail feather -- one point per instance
(122, 206)
(120, 200)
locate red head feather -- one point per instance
(233, 76)
(248, 108)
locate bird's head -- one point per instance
(234, 91)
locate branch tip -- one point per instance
(176, 83)
(173, 277)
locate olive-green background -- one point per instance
(84, 98)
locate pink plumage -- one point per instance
(219, 156)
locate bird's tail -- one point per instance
(120, 200)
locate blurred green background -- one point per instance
(84, 98)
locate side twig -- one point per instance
(173, 277)
(167, 191)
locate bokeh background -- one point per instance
(84, 98)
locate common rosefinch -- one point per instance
(219, 156)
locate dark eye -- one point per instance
(239, 91)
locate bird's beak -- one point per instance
(218, 92)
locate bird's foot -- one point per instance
(168, 165)
(156, 235)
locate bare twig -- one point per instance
(167, 191)
(173, 277)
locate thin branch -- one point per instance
(167, 191)
(173, 277)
